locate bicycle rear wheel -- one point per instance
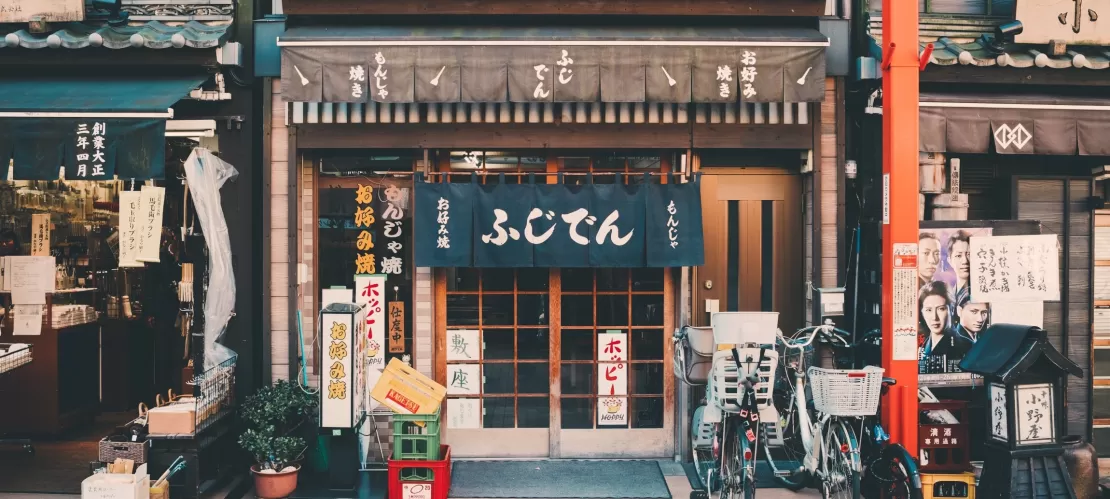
(702, 450)
(787, 453)
(895, 474)
(840, 471)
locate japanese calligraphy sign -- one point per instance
(612, 364)
(612, 411)
(40, 234)
(396, 319)
(337, 333)
(463, 345)
(464, 379)
(464, 413)
(381, 74)
(999, 412)
(525, 225)
(151, 201)
(1075, 22)
(86, 149)
(612, 347)
(1015, 268)
(370, 290)
(130, 224)
(1035, 414)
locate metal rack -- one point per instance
(9, 361)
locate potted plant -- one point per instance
(273, 416)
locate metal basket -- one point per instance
(846, 392)
(13, 355)
(693, 356)
(727, 391)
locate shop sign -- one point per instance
(40, 234)
(1074, 22)
(1036, 421)
(526, 225)
(151, 201)
(463, 345)
(396, 320)
(999, 414)
(369, 291)
(612, 411)
(464, 379)
(129, 228)
(612, 360)
(336, 410)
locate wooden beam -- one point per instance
(785, 8)
(963, 76)
(553, 136)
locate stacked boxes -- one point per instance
(421, 466)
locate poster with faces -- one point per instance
(950, 318)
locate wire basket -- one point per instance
(13, 355)
(846, 392)
(727, 390)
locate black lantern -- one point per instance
(1024, 379)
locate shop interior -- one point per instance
(113, 337)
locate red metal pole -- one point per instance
(900, 67)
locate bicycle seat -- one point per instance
(889, 382)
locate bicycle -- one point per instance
(826, 449)
(726, 430)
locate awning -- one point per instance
(702, 65)
(1014, 124)
(96, 128)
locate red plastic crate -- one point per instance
(440, 483)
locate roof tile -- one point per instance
(152, 35)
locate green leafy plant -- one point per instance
(273, 415)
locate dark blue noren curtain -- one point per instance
(559, 249)
(502, 212)
(89, 149)
(617, 231)
(444, 226)
(674, 225)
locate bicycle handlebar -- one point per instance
(826, 330)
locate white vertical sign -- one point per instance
(464, 379)
(337, 331)
(464, 413)
(612, 363)
(904, 302)
(370, 290)
(999, 426)
(463, 345)
(151, 201)
(1036, 415)
(129, 227)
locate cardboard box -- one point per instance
(172, 419)
(117, 486)
(406, 391)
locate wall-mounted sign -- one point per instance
(337, 332)
(999, 413)
(1015, 268)
(464, 413)
(612, 411)
(463, 345)
(396, 319)
(559, 225)
(369, 291)
(464, 379)
(22, 11)
(1075, 22)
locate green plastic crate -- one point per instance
(416, 437)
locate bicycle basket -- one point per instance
(846, 392)
(742, 328)
(693, 357)
(727, 390)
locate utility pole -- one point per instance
(900, 65)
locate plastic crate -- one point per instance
(416, 437)
(944, 447)
(938, 485)
(438, 475)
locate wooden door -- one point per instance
(753, 246)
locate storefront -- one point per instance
(547, 301)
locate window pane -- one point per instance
(498, 343)
(647, 279)
(462, 310)
(578, 344)
(647, 412)
(462, 279)
(612, 310)
(578, 379)
(499, 412)
(497, 280)
(532, 279)
(578, 310)
(533, 378)
(497, 310)
(647, 344)
(612, 279)
(647, 379)
(577, 279)
(533, 344)
(577, 413)
(532, 310)
(647, 310)
(498, 378)
(534, 412)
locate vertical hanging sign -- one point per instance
(129, 228)
(612, 379)
(396, 327)
(40, 234)
(369, 290)
(151, 200)
(335, 407)
(905, 301)
(364, 221)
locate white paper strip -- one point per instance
(464, 413)
(370, 290)
(151, 201)
(129, 227)
(27, 320)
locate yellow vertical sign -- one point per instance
(396, 323)
(364, 220)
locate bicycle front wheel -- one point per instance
(895, 472)
(840, 469)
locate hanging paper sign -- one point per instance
(369, 291)
(612, 378)
(393, 229)
(612, 411)
(464, 413)
(612, 347)
(338, 331)
(40, 234)
(130, 224)
(463, 345)
(525, 225)
(1015, 268)
(396, 320)
(999, 413)
(464, 379)
(905, 301)
(151, 202)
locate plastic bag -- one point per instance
(206, 174)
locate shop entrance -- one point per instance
(530, 387)
(753, 245)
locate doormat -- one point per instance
(558, 479)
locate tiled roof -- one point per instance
(967, 41)
(152, 35)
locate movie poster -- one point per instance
(950, 318)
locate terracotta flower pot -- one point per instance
(274, 485)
